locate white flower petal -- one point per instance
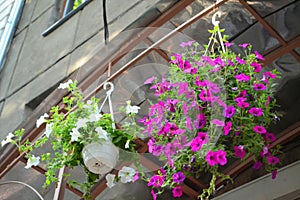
(41, 120)
(110, 180)
(81, 123)
(7, 139)
(32, 161)
(127, 144)
(131, 109)
(65, 85)
(75, 135)
(48, 130)
(95, 117)
(126, 174)
(102, 133)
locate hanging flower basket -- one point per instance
(100, 158)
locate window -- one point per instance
(62, 11)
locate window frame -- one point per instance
(66, 13)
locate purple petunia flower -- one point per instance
(229, 111)
(228, 44)
(269, 74)
(259, 129)
(239, 151)
(242, 77)
(272, 160)
(257, 165)
(244, 46)
(270, 136)
(227, 128)
(240, 99)
(259, 86)
(178, 177)
(177, 191)
(230, 63)
(196, 144)
(149, 80)
(258, 56)
(205, 95)
(257, 67)
(240, 61)
(256, 112)
(211, 158)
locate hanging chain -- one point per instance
(109, 86)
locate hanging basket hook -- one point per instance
(217, 14)
(110, 89)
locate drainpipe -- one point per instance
(10, 29)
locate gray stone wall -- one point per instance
(36, 63)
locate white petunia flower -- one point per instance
(127, 144)
(81, 123)
(95, 117)
(131, 109)
(8, 139)
(110, 180)
(126, 174)
(41, 120)
(102, 133)
(48, 130)
(65, 85)
(32, 161)
(75, 135)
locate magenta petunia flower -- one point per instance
(205, 95)
(244, 45)
(270, 136)
(243, 104)
(218, 122)
(269, 74)
(228, 44)
(257, 165)
(229, 111)
(274, 174)
(230, 63)
(240, 61)
(156, 181)
(242, 77)
(178, 177)
(259, 86)
(258, 56)
(154, 196)
(177, 191)
(239, 151)
(196, 144)
(187, 44)
(257, 67)
(272, 160)
(149, 80)
(240, 99)
(203, 136)
(255, 111)
(200, 121)
(211, 158)
(219, 61)
(259, 129)
(227, 128)
(221, 157)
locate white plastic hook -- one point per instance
(111, 87)
(217, 14)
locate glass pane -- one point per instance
(266, 7)
(286, 21)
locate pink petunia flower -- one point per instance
(274, 174)
(272, 160)
(196, 144)
(177, 191)
(257, 165)
(258, 56)
(211, 158)
(243, 104)
(178, 177)
(229, 111)
(230, 63)
(242, 77)
(228, 44)
(200, 121)
(270, 137)
(156, 181)
(239, 151)
(240, 61)
(244, 45)
(257, 67)
(221, 157)
(269, 74)
(154, 196)
(149, 80)
(218, 122)
(187, 44)
(255, 111)
(227, 128)
(259, 129)
(259, 86)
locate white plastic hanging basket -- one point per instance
(100, 158)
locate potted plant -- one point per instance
(82, 137)
(214, 105)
